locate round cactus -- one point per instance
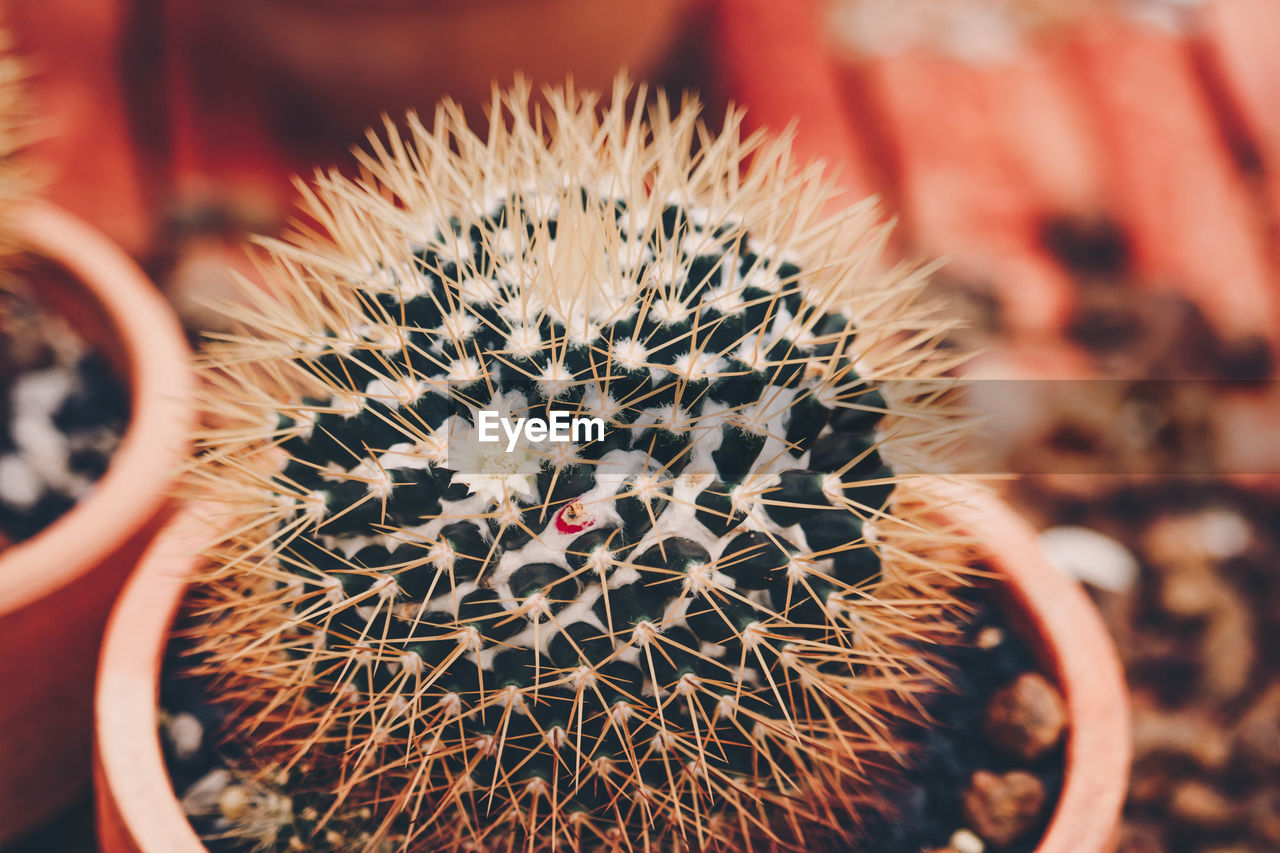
(691, 630)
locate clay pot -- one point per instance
(138, 811)
(1056, 619)
(57, 588)
(774, 62)
(258, 91)
(347, 62)
(83, 60)
(1105, 119)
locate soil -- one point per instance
(63, 412)
(931, 803)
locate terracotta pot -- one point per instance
(85, 150)
(258, 91)
(350, 61)
(57, 588)
(139, 813)
(1104, 119)
(774, 62)
(1055, 617)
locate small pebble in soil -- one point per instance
(964, 841)
(1089, 556)
(185, 735)
(1190, 738)
(1004, 808)
(930, 812)
(1199, 805)
(1026, 719)
(989, 637)
(961, 841)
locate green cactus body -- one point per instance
(693, 632)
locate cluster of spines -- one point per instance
(16, 132)
(684, 636)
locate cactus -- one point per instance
(695, 631)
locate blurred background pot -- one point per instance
(57, 587)
(363, 58)
(1097, 149)
(318, 72)
(138, 811)
(83, 148)
(249, 93)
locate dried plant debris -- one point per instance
(63, 412)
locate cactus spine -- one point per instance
(693, 634)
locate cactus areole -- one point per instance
(563, 469)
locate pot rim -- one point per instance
(136, 484)
(138, 806)
(1071, 642)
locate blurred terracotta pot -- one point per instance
(138, 811)
(57, 588)
(84, 149)
(774, 62)
(1104, 119)
(356, 59)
